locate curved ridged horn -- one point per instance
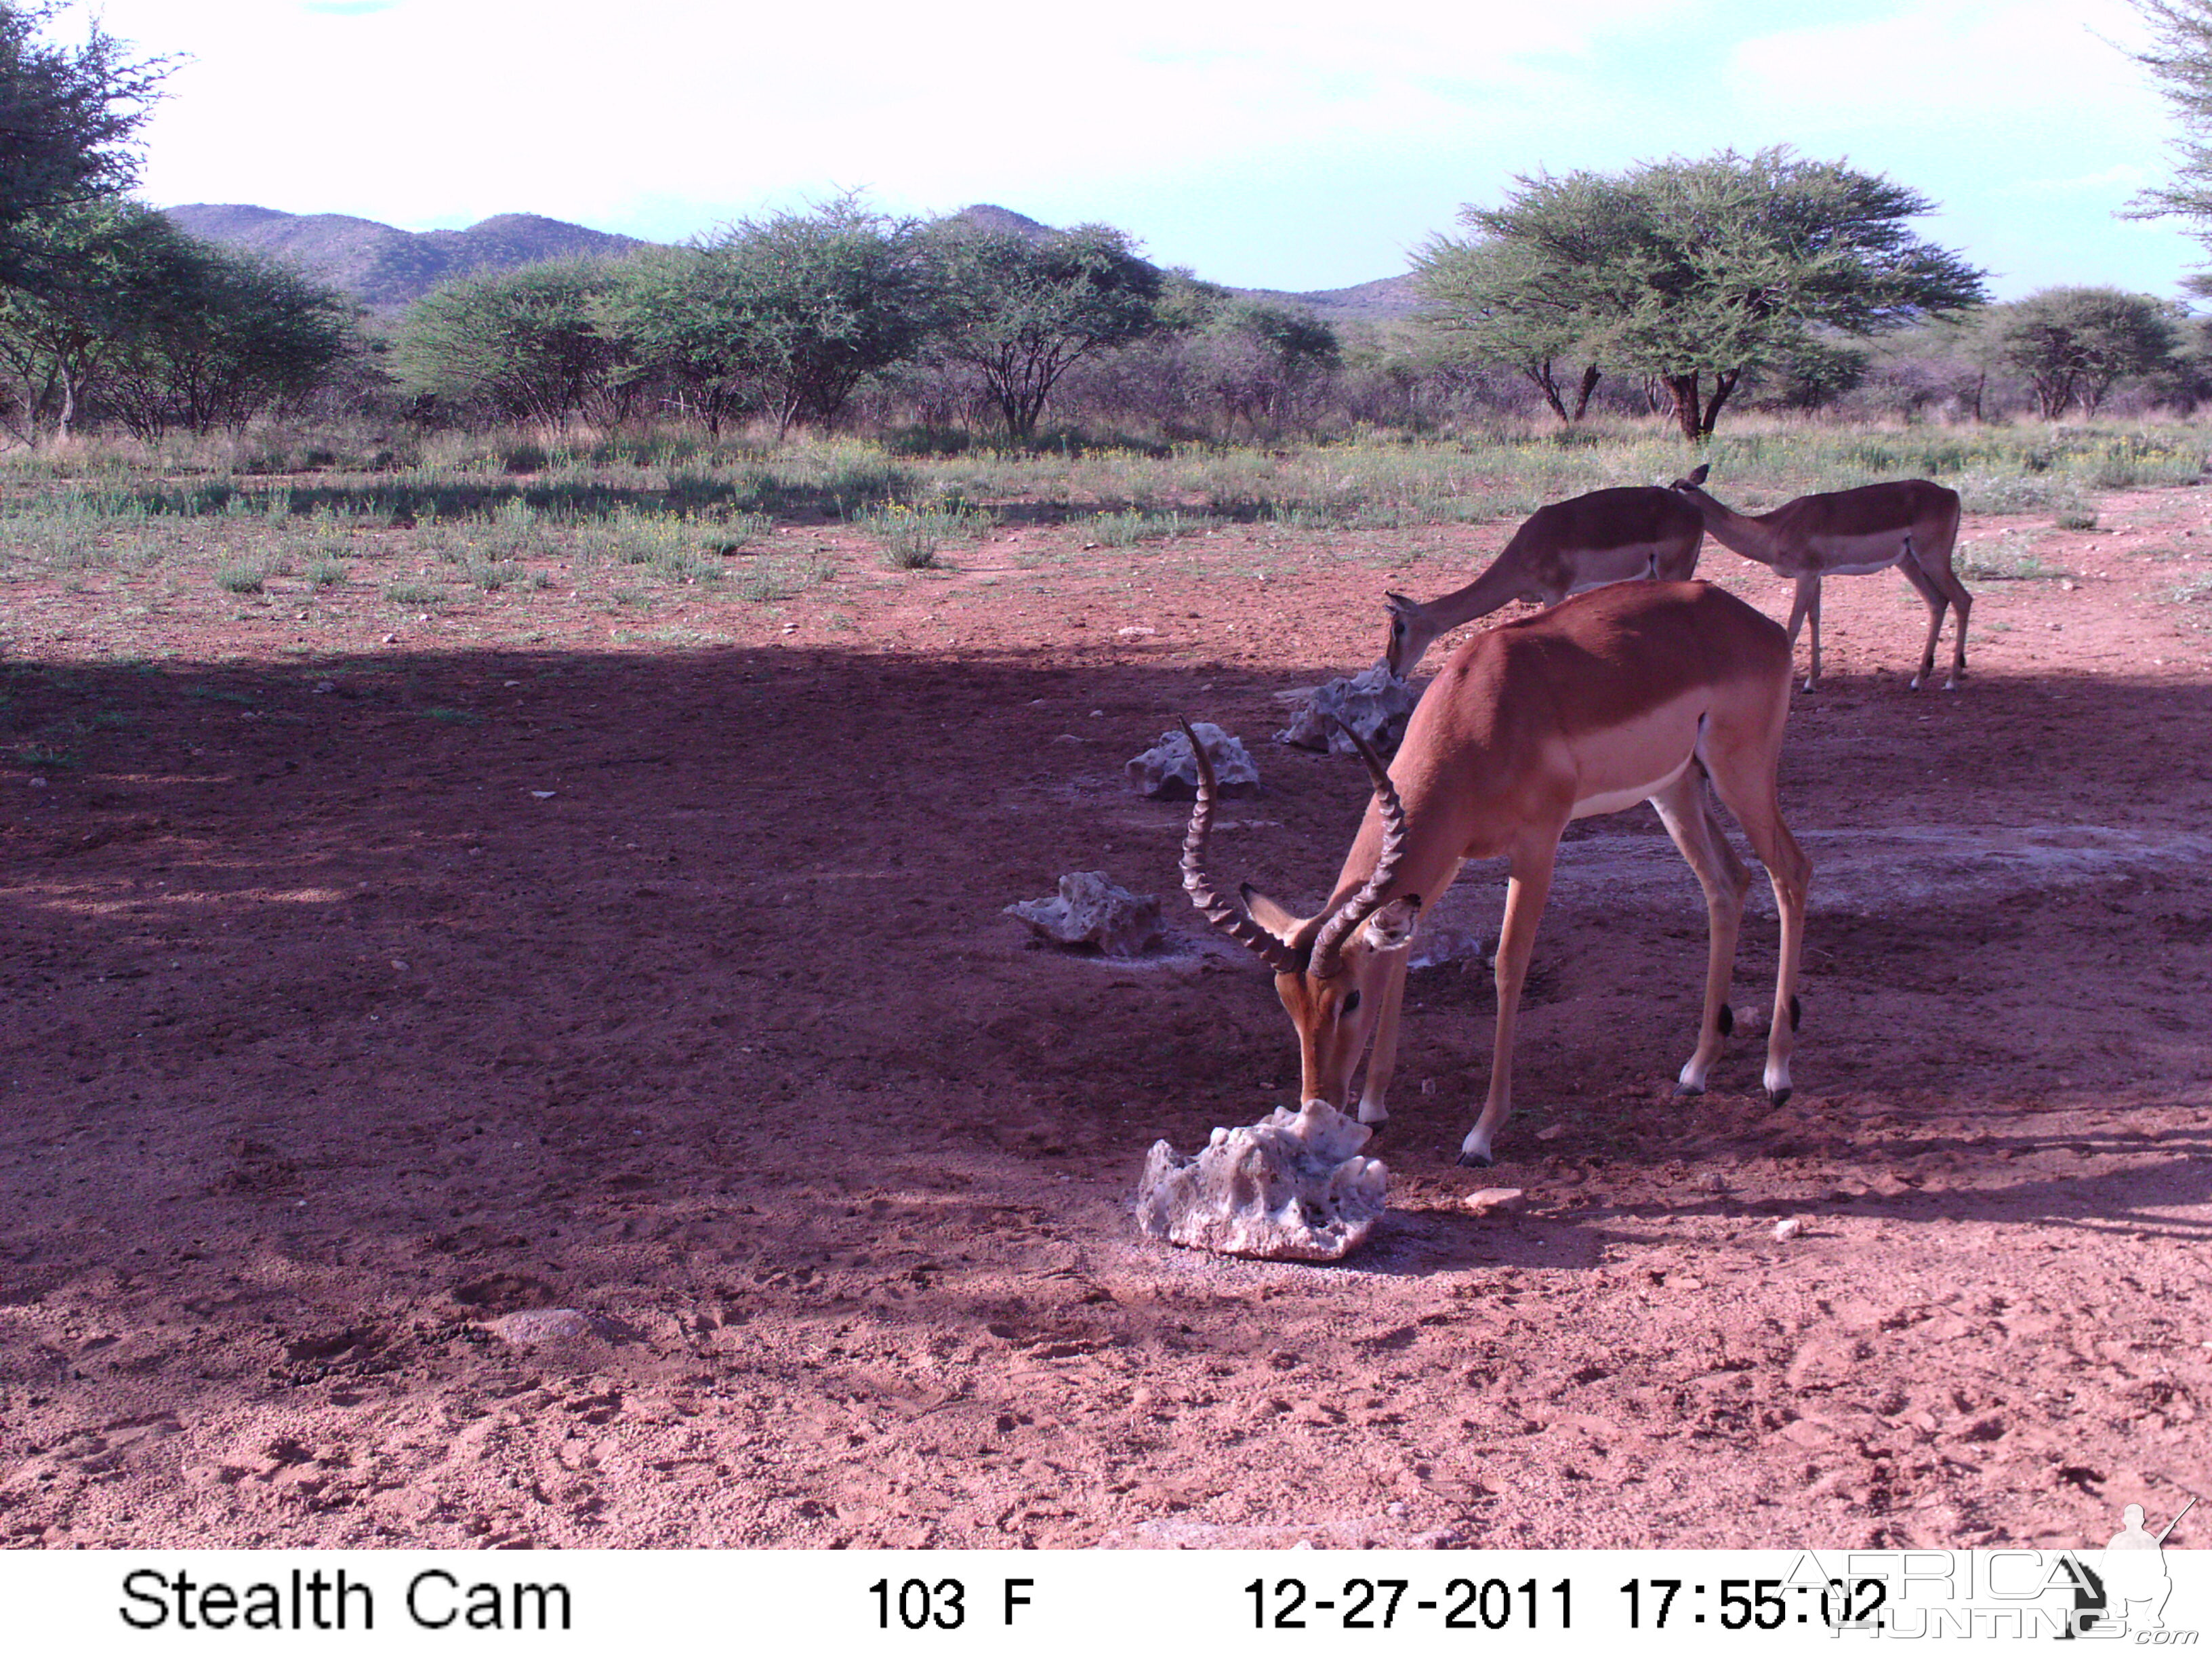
(1217, 910)
(1368, 899)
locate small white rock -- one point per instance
(1551, 1132)
(1496, 1200)
(1786, 1229)
(1090, 909)
(1712, 1182)
(534, 1325)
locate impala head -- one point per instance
(1410, 634)
(1695, 480)
(1330, 969)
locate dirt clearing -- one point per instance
(374, 973)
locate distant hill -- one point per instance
(1386, 300)
(383, 266)
(985, 215)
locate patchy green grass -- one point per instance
(2196, 590)
(912, 537)
(248, 576)
(2005, 559)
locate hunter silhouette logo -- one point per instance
(2134, 1570)
(2127, 1589)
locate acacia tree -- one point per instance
(1020, 311)
(156, 329)
(1258, 361)
(1486, 302)
(233, 335)
(526, 344)
(787, 313)
(2073, 344)
(2180, 59)
(56, 339)
(1699, 273)
(68, 116)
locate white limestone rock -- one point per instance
(1375, 703)
(535, 1325)
(1168, 771)
(1292, 1188)
(1091, 910)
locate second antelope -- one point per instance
(1635, 692)
(1910, 523)
(1607, 535)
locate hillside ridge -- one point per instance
(385, 267)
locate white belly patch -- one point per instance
(1862, 556)
(1615, 800)
(1616, 564)
(1864, 569)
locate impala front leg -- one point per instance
(1382, 1060)
(1529, 885)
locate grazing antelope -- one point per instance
(1910, 523)
(1607, 535)
(1638, 691)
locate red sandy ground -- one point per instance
(328, 1042)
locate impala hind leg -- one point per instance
(1704, 845)
(1526, 889)
(1807, 605)
(1936, 601)
(1744, 779)
(1939, 586)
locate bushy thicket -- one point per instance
(945, 334)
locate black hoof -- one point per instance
(1779, 1097)
(1376, 1131)
(1684, 1090)
(1476, 1161)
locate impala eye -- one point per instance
(1350, 1005)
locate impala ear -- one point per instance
(1705, 469)
(1391, 927)
(1269, 915)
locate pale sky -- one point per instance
(1269, 143)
